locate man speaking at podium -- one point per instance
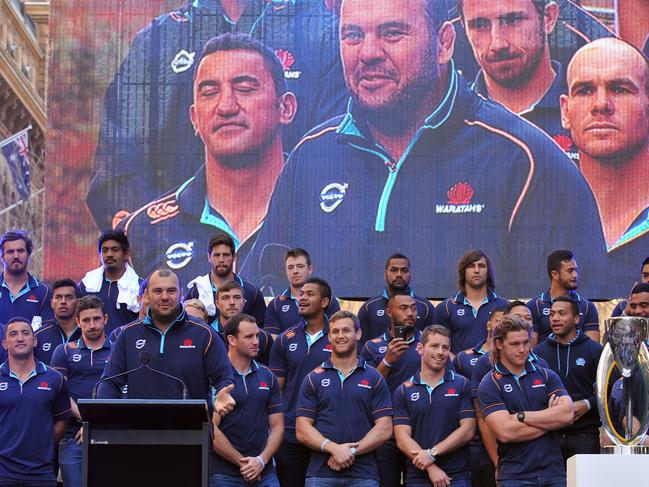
(169, 341)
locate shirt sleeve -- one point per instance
(534, 311)
(61, 409)
(381, 402)
(307, 400)
(490, 396)
(400, 404)
(217, 364)
(430, 314)
(591, 318)
(479, 371)
(554, 384)
(112, 389)
(457, 363)
(275, 404)
(271, 318)
(258, 308)
(277, 362)
(442, 316)
(367, 355)
(333, 307)
(59, 360)
(467, 411)
(46, 308)
(364, 319)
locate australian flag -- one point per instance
(16, 152)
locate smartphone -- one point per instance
(400, 332)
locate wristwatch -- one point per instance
(432, 454)
(353, 451)
(521, 416)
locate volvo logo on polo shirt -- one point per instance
(3, 386)
(76, 357)
(414, 396)
(44, 386)
(179, 254)
(187, 343)
(581, 362)
(473, 360)
(383, 349)
(451, 392)
(508, 388)
(325, 382)
(538, 383)
(292, 347)
(380, 312)
(287, 59)
(183, 61)
(365, 384)
(332, 196)
(140, 344)
(459, 200)
(460, 312)
(546, 311)
(286, 307)
(46, 347)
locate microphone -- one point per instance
(111, 377)
(145, 358)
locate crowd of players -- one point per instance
(476, 389)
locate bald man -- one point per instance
(607, 111)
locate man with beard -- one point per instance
(510, 41)
(222, 256)
(434, 419)
(295, 353)
(372, 314)
(467, 313)
(81, 362)
(395, 355)
(21, 294)
(63, 328)
(115, 282)
(241, 107)
(607, 111)
(564, 280)
(282, 311)
(344, 412)
(420, 164)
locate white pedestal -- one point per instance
(607, 470)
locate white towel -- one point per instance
(128, 286)
(204, 286)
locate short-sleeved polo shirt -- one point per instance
(33, 301)
(282, 312)
(50, 336)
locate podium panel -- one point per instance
(607, 470)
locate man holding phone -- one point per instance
(395, 356)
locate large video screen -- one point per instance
(355, 130)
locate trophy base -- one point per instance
(625, 450)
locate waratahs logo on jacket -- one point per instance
(459, 200)
(288, 59)
(568, 146)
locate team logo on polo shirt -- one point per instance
(546, 311)
(568, 146)
(460, 312)
(286, 307)
(292, 347)
(288, 59)
(46, 347)
(383, 349)
(263, 386)
(76, 357)
(451, 392)
(327, 348)
(32, 299)
(182, 61)
(538, 383)
(187, 343)
(365, 384)
(508, 388)
(179, 254)
(44, 386)
(380, 312)
(332, 196)
(581, 362)
(140, 344)
(325, 382)
(459, 200)
(473, 360)
(414, 396)
(3, 386)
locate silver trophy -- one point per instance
(623, 406)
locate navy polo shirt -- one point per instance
(118, 313)
(540, 308)
(50, 336)
(374, 320)
(576, 364)
(258, 395)
(33, 301)
(82, 367)
(484, 365)
(619, 308)
(28, 411)
(3, 352)
(293, 356)
(265, 342)
(408, 364)
(468, 325)
(189, 350)
(503, 391)
(344, 409)
(282, 312)
(255, 305)
(433, 413)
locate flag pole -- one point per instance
(16, 135)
